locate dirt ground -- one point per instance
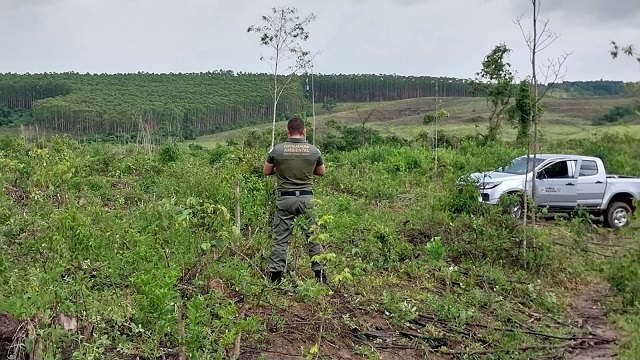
(388, 344)
(590, 316)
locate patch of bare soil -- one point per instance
(8, 328)
(19, 196)
(348, 333)
(591, 317)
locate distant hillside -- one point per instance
(177, 105)
(563, 117)
(187, 105)
(589, 88)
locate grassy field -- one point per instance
(563, 118)
(111, 252)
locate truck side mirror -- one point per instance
(540, 175)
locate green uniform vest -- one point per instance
(295, 161)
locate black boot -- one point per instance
(276, 277)
(320, 276)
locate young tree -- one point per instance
(329, 103)
(283, 32)
(495, 80)
(434, 116)
(538, 39)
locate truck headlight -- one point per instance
(489, 185)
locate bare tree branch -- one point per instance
(555, 70)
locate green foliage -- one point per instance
(386, 87)
(219, 154)
(310, 291)
(521, 112)
(130, 242)
(617, 114)
(495, 81)
(450, 310)
(629, 348)
(172, 105)
(20, 91)
(15, 116)
(624, 274)
(435, 249)
(399, 310)
(616, 151)
(349, 138)
(432, 117)
(329, 103)
(168, 153)
(438, 137)
(589, 88)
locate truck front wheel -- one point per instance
(512, 204)
(617, 215)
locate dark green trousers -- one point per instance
(287, 209)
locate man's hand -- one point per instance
(269, 169)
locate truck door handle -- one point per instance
(571, 184)
(598, 182)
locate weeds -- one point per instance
(140, 248)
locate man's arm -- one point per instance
(269, 169)
(319, 169)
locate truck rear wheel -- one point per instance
(617, 215)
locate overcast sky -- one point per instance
(407, 37)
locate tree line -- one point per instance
(372, 87)
(185, 105)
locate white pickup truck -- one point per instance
(563, 183)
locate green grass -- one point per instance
(563, 118)
(128, 244)
(549, 131)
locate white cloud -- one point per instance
(426, 37)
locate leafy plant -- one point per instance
(168, 153)
(329, 103)
(435, 249)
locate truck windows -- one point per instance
(588, 168)
(519, 165)
(560, 169)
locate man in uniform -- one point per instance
(294, 163)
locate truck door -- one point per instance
(556, 185)
(591, 184)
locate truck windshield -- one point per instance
(518, 166)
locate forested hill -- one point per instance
(190, 104)
(183, 105)
(591, 88)
(371, 87)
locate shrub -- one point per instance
(624, 275)
(329, 104)
(218, 154)
(169, 152)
